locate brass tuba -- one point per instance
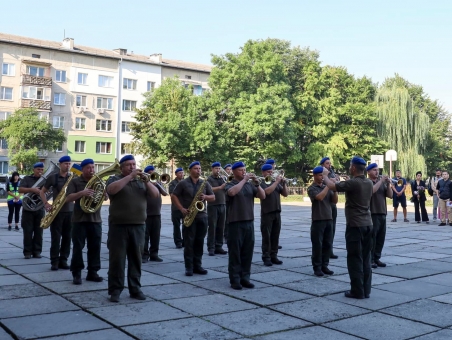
(195, 205)
(92, 204)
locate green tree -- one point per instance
(26, 133)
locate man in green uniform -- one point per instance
(241, 195)
(216, 212)
(86, 227)
(358, 232)
(126, 220)
(176, 215)
(228, 170)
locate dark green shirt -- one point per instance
(219, 194)
(28, 182)
(272, 202)
(241, 206)
(320, 210)
(57, 182)
(186, 190)
(378, 201)
(79, 184)
(172, 185)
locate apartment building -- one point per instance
(89, 93)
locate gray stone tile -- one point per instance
(395, 259)
(268, 296)
(444, 279)
(19, 260)
(279, 277)
(22, 291)
(309, 310)
(132, 314)
(309, 333)
(446, 298)
(174, 291)
(318, 286)
(8, 280)
(445, 334)
(416, 288)
(50, 276)
(196, 277)
(377, 326)
(98, 298)
(191, 328)
(163, 268)
(377, 279)
(37, 326)
(150, 279)
(223, 285)
(411, 271)
(210, 304)
(107, 334)
(446, 259)
(426, 255)
(439, 266)
(34, 305)
(260, 321)
(34, 268)
(64, 287)
(4, 271)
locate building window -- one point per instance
(8, 69)
(80, 123)
(59, 148)
(6, 93)
(129, 105)
(59, 99)
(33, 92)
(3, 143)
(125, 148)
(4, 115)
(35, 71)
(105, 103)
(80, 146)
(58, 122)
(35, 55)
(105, 81)
(125, 127)
(80, 100)
(129, 84)
(103, 147)
(187, 77)
(150, 86)
(99, 167)
(82, 78)
(197, 90)
(60, 76)
(103, 125)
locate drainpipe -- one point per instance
(118, 115)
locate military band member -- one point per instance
(241, 225)
(228, 170)
(358, 232)
(326, 163)
(273, 165)
(60, 229)
(216, 212)
(176, 215)
(271, 216)
(153, 222)
(127, 216)
(31, 220)
(86, 227)
(322, 199)
(382, 190)
(182, 197)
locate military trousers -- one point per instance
(177, 218)
(31, 221)
(270, 230)
(378, 235)
(321, 243)
(240, 250)
(333, 227)
(91, 234)
(152, 236)
(216, 219)
(194, 242)
(60, 234)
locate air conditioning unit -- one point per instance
(81, 109)
(101, 111)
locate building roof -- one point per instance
(54, 45)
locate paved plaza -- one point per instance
(411, 298)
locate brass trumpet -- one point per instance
(155, 177)
(396, 182)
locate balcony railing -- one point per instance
(35, 80)
(37, 104)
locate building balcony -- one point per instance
(35, 80)
(36, 104)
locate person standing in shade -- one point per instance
(126, 220)
(241, 224)
(322, 199)
(378, 209)
(60, 229)
(228, 170)
(326, 163)
(31, 220)
(434, 184)
(273, 165)
(399, 196)
(271, 216)
(418, 188)
(216, 212)
(444, 193)
(176, 215)
(182, 197)
(358, 233)
(153, 222)
(86, 227)
(14, 200)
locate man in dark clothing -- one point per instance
(31, 220)
(322, 199)
(241, 224)
(153, 222)
(126, 220)
(381, 191)
(228, 170)
(182, 197)
(216, 212)
(271, 215)
(60, 229)
(86, 227)
(358, 232)
(399, 196)
(444, 193)
(176, 215)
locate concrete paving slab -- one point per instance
(64, 287)
(411, 271)
(150, 279)
(318, 286)
(377, 279)
(4, 271)
(4, 335)
(279, 277)
(395, 259)
(107, 334)
(22, 291)
(180, 276)
(98, 298)
(33, 268)
(446, 298)
(444, 334)
(223, 285)
(309, 333)
(416, 288)
(8, 280)
(49, 276)
(174, 291)
(268, 296)
(444, 279)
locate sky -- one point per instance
(376, 39)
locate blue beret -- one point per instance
(227, 166)
(149, 167)
(238, 165)
(358, 160)
(38, 165)
(266, 167)
(193, 164)
(126, 158)
(86, 162)
(216, 164)
(324, 159)
(64, 159)
(317, 170)
(178, 169)
(371, 166)
(270, 161)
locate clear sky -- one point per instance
(373, 38)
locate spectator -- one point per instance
(434, 184)
(399, 196)
(418, 190)
(14, 200)
(443, 189)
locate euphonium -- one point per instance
(92, 204)
(33, 201)
(195, 205)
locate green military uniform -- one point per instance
(176, 217)
(216, 212)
